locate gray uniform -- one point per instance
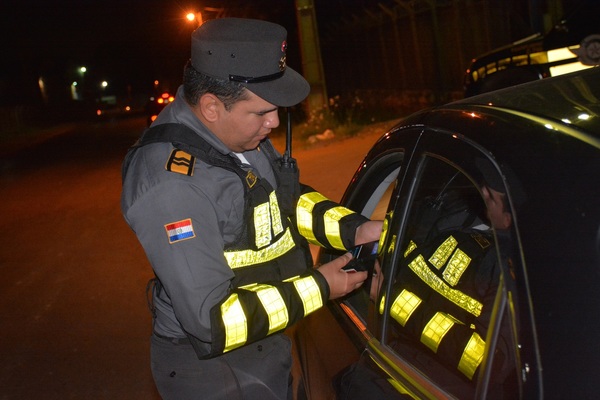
(213, 199)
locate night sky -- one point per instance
(124, 41)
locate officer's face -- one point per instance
(247, 123)
(494, 201)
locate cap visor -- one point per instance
(286, 91)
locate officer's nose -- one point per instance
(271, 120)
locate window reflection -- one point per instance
(444, 287)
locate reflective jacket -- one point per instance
(443, 294)
(273, 284)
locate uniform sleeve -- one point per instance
(255, 311)
(180, 230)
(326, 223)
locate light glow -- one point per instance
(583, 117)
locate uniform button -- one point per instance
(259, 347)
(172, 374)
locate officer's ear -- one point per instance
(209, 106)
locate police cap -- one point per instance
(252, 53)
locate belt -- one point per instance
(175, 341)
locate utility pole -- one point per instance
(312, 64)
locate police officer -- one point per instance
(225, 223)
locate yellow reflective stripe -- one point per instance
(332, 225)
(382, 304)
(435, 330)
(244, 258)
(304, 209)
(291, 278)
(384, 232)
(392, 245)
(442, 253)
(467, 303)
(472, 356)
(236, 329)
(309, 292)
(458, 264)
(275, 214)
(273, 303)
(262, 225)
(404, 305)
(409, 249)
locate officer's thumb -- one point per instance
(341, 282)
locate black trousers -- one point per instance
(260, 370)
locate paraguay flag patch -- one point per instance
(180, 230)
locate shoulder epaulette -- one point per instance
(181, 162)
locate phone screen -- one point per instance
(364, 256)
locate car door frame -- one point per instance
(432, 142)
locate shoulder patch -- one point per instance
(181, 162)
(180, 230)
(481, 240)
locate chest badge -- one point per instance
(251, 179)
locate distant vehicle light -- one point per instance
(157, 104)
(98, 112)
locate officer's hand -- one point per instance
(341, 282)
(370, 231)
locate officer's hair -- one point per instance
(196, 84)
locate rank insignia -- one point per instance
(481, 240)
(251, 179)
(181, 162)
(180, 230)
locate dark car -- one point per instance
(572, 44)
(460, 303)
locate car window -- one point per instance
(443, 299)
(376, 206)
(371, 197)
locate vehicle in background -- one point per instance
(571, 45)
(156, 104)
(105, 111)
(522, 324)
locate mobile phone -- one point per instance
(363, 257)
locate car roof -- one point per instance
(572, 99)
(579, 22)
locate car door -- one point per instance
(331, 340)
(444, 323)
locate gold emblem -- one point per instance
(251, 179)
(481, 240)
(282, 61)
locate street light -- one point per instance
(79, 92)
(195, 16)
(213, 12)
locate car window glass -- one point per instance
(445, 284)
(373, 203)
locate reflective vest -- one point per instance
(274, 283)
(438, 297)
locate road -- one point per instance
(73, 312)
